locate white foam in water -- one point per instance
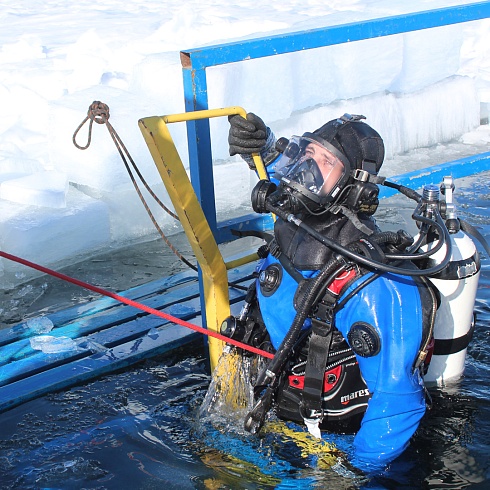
(53, 67)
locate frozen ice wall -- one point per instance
(59, 203)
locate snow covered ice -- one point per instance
(58, 203)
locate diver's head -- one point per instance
(323, 167)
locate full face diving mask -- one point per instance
(312, 168)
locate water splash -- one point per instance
(230, 397)
(230, 394)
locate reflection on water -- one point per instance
(140, 428)
(447, 433)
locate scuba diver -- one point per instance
(347, 309)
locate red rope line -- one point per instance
(136, 304)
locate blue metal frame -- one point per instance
(195, 62)
(201, 58)
(464, 167)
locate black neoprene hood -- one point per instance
(360, 143)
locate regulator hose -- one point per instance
(438, 223)
(406, 191)
(424, 230)
(471, 230)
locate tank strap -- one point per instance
(430, 303)
(471, 230)
(446, 347)
(319, 347)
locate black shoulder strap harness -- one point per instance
(316, 361)
(320, 348)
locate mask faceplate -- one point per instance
(311, 167)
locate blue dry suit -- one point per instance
(391, 304)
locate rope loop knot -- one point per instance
(98, 112)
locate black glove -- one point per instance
(246, 136)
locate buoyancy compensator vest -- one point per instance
(339, 375)
(336, 388)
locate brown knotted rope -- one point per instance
(99, 112)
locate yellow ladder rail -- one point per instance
(191, 215)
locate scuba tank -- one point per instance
(457, 286)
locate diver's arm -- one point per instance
(392, 310)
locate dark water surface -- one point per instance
(138, 429)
